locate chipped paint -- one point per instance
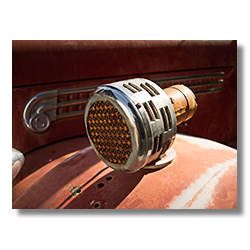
(67, 186)
(97, 205)
(75, 191)
(199, 194)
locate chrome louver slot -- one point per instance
(200, 84)
(47, 107)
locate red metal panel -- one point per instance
(208, 179)
(40, 66)
(39, 62)
(215, 117)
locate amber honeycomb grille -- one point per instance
(109, 132)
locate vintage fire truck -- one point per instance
(124, 124)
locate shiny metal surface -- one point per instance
(163, 161)
(17, 162)
(200, 84)
(183, 101)
(204, 77)
(42, 109)
(149, 115)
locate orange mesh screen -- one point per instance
(109, 132)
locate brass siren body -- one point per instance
(183, 101)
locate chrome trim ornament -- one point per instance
(42, 109)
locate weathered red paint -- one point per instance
(39, 62)
(203, 175)
(39, 66)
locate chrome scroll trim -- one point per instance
(43, 108)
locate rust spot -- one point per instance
(97, 205)
(180, 111)
(172, 100)
(76, 191)
(66, 187)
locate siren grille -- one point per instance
(109, 132)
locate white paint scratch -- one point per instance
(199, 194)
(80, 152)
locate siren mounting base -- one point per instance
(163, 161)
